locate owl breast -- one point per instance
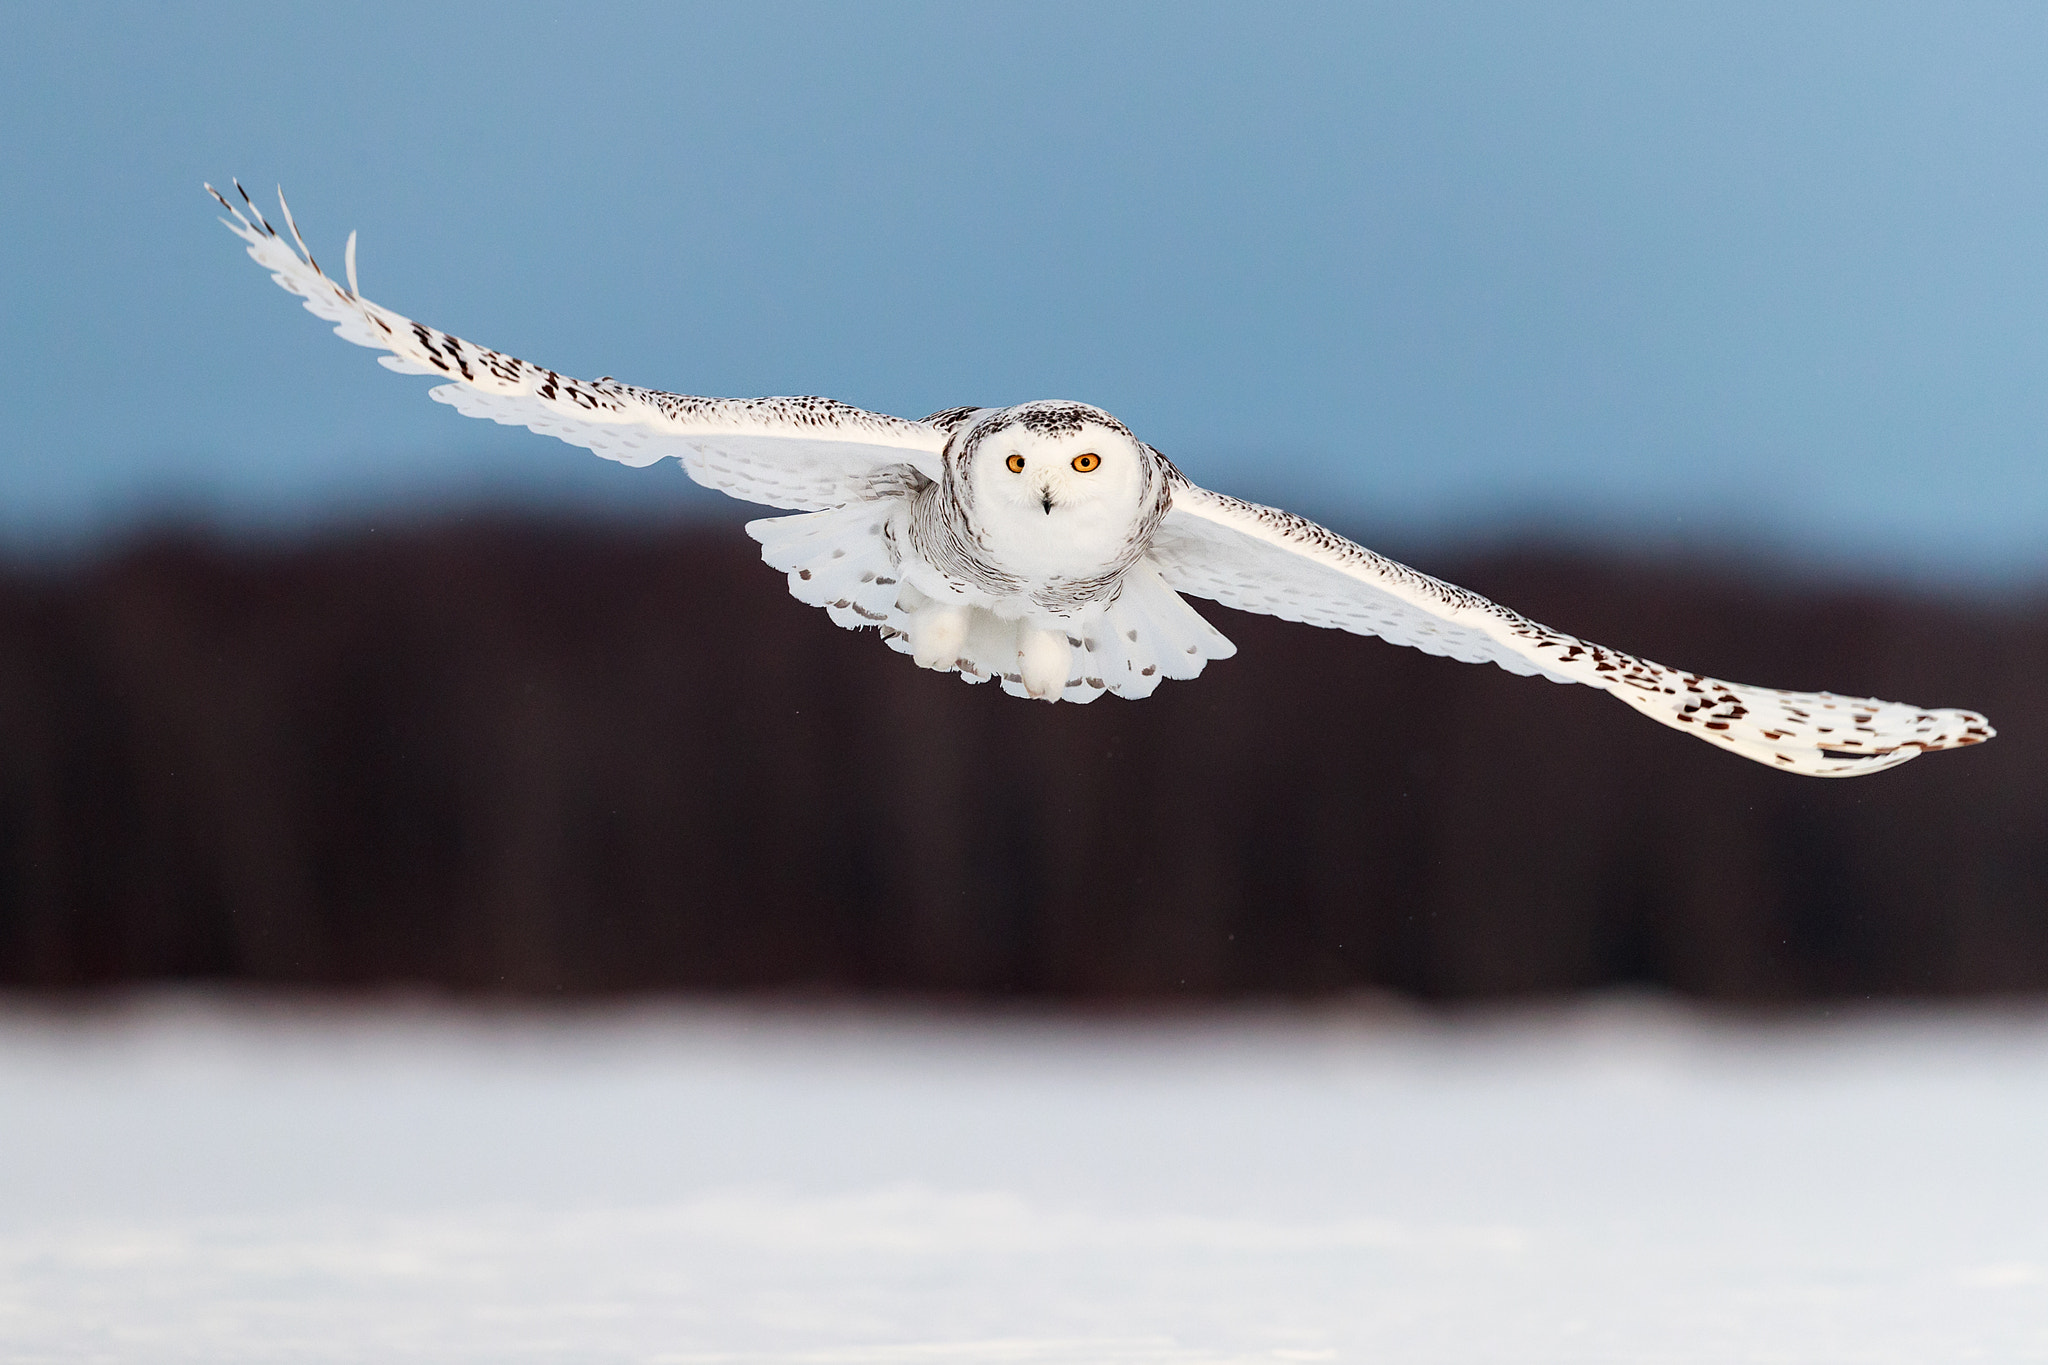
(1053, 566)
(1084, 541)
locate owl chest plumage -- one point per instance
(1023, 561)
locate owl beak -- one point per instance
(1045, 501)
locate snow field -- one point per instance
(194, 1178)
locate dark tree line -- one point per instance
(529, 758)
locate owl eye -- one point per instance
(1086, 464)
(1015, 464)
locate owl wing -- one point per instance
(1262, 559)
(803, 453)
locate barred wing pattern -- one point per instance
(1262, 559)
(801, 453)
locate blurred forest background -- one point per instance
(533, 757)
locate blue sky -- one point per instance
(1761, 274)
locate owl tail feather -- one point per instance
(839, 559)
(1148, 634)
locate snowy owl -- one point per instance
(1047, 548)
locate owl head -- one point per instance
(1055, 480)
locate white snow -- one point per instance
(212, 1180)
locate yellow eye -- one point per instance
(1015, 464)
(1086, 463)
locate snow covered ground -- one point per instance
(206, 1180)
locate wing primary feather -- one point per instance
(261, 221)
(293, 224)
(349, 262)
(240, 218)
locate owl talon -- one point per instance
(936, 634)
(1042, 660)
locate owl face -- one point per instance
(1055, 487)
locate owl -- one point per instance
(1045, 548)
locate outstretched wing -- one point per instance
(803, 453)
(1262, 559)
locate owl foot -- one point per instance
(1043, 657)
(936, 634)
